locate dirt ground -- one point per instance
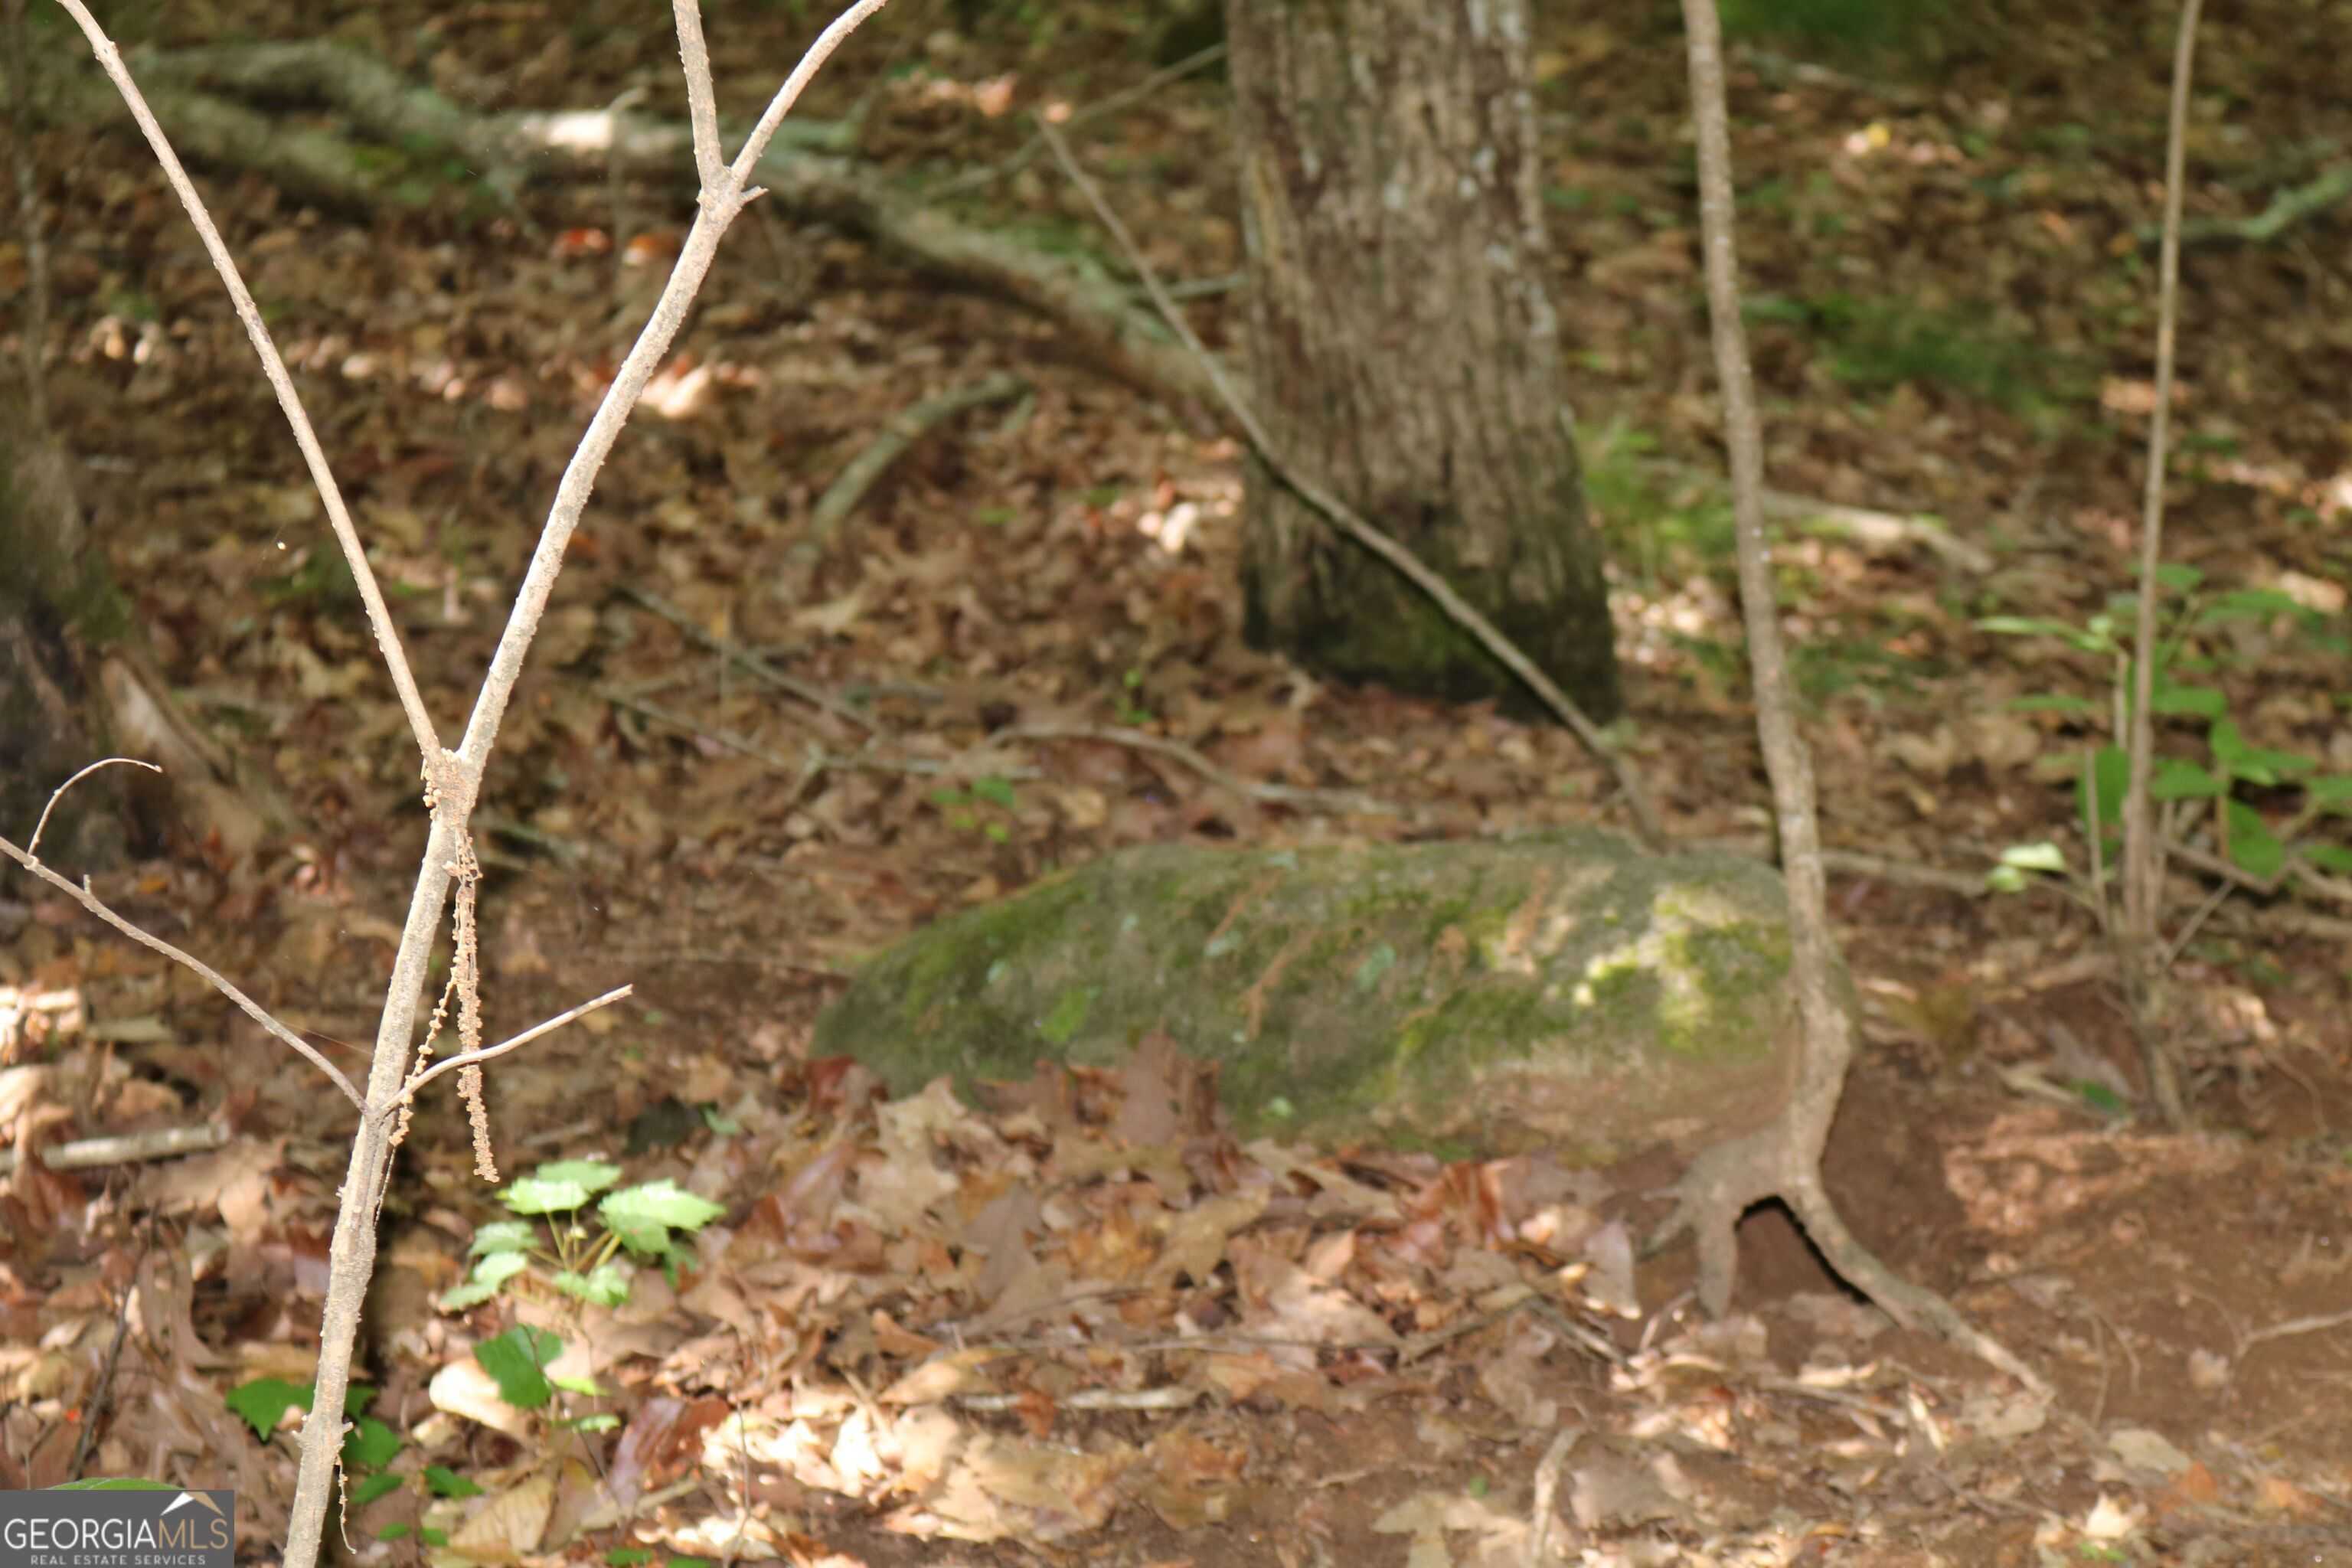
(1390, 1361)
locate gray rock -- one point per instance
(1565, 991)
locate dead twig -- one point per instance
(814, 762)
(94, 1408)
(1176, 751)
(743, 659)
(901, 431)
(1543, 1514)
(475, 1058)
(125, 1149)
(2295, 205)
(211, 976)
(33, 845)
(1088, 1399)
(1865, 526)
(2292, 1326)
(2295, 872)
(1020, 158)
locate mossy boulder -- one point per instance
(1566, 991)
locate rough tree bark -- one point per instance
(1404, 350)
(77, 684)
(50, 588)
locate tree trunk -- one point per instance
(45, 699)
(1403, 349)
(76, 685)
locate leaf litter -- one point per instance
(1082, 1318)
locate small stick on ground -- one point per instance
(743, 659)
(1165, 75)
(124, 1148)
(1176, 751)
(902, 431)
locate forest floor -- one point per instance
(1372, 1357)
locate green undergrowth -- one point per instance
(1876, 344)
(1840, 29)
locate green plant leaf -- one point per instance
(445, 1482)
(2330, 791)
(2253, 845)
(2005, 880)
(367, 1488)
(2175, 578)
(397, 1531)
(371, 1444)
(504, 1235)
(595, 1421)
(2195, 702)
(2099, 1097)
(2088, 640)
(2103, 784)
(2255, 764)
(2179, 780)
(604, 1286)
(559, 1187)
(2331, 857)
(2056, 702)
(593, 1174)
(264, 1402)
(994, 790)
(483, 1282)
(2042, 857)
(2249, 605)
(643, 1216)
(516, 1361)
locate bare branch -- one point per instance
(59, 794)
(701, 101)
(1177, 752)
(475, 1058)
(2143, 868)
(797, 83)
(211, 976)
(338, 517)
(1828, 1029)
(720, 205)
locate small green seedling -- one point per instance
(369, 1445)
(2188, 787)
(644, 1221)
(964, 807)
(1132, 713)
